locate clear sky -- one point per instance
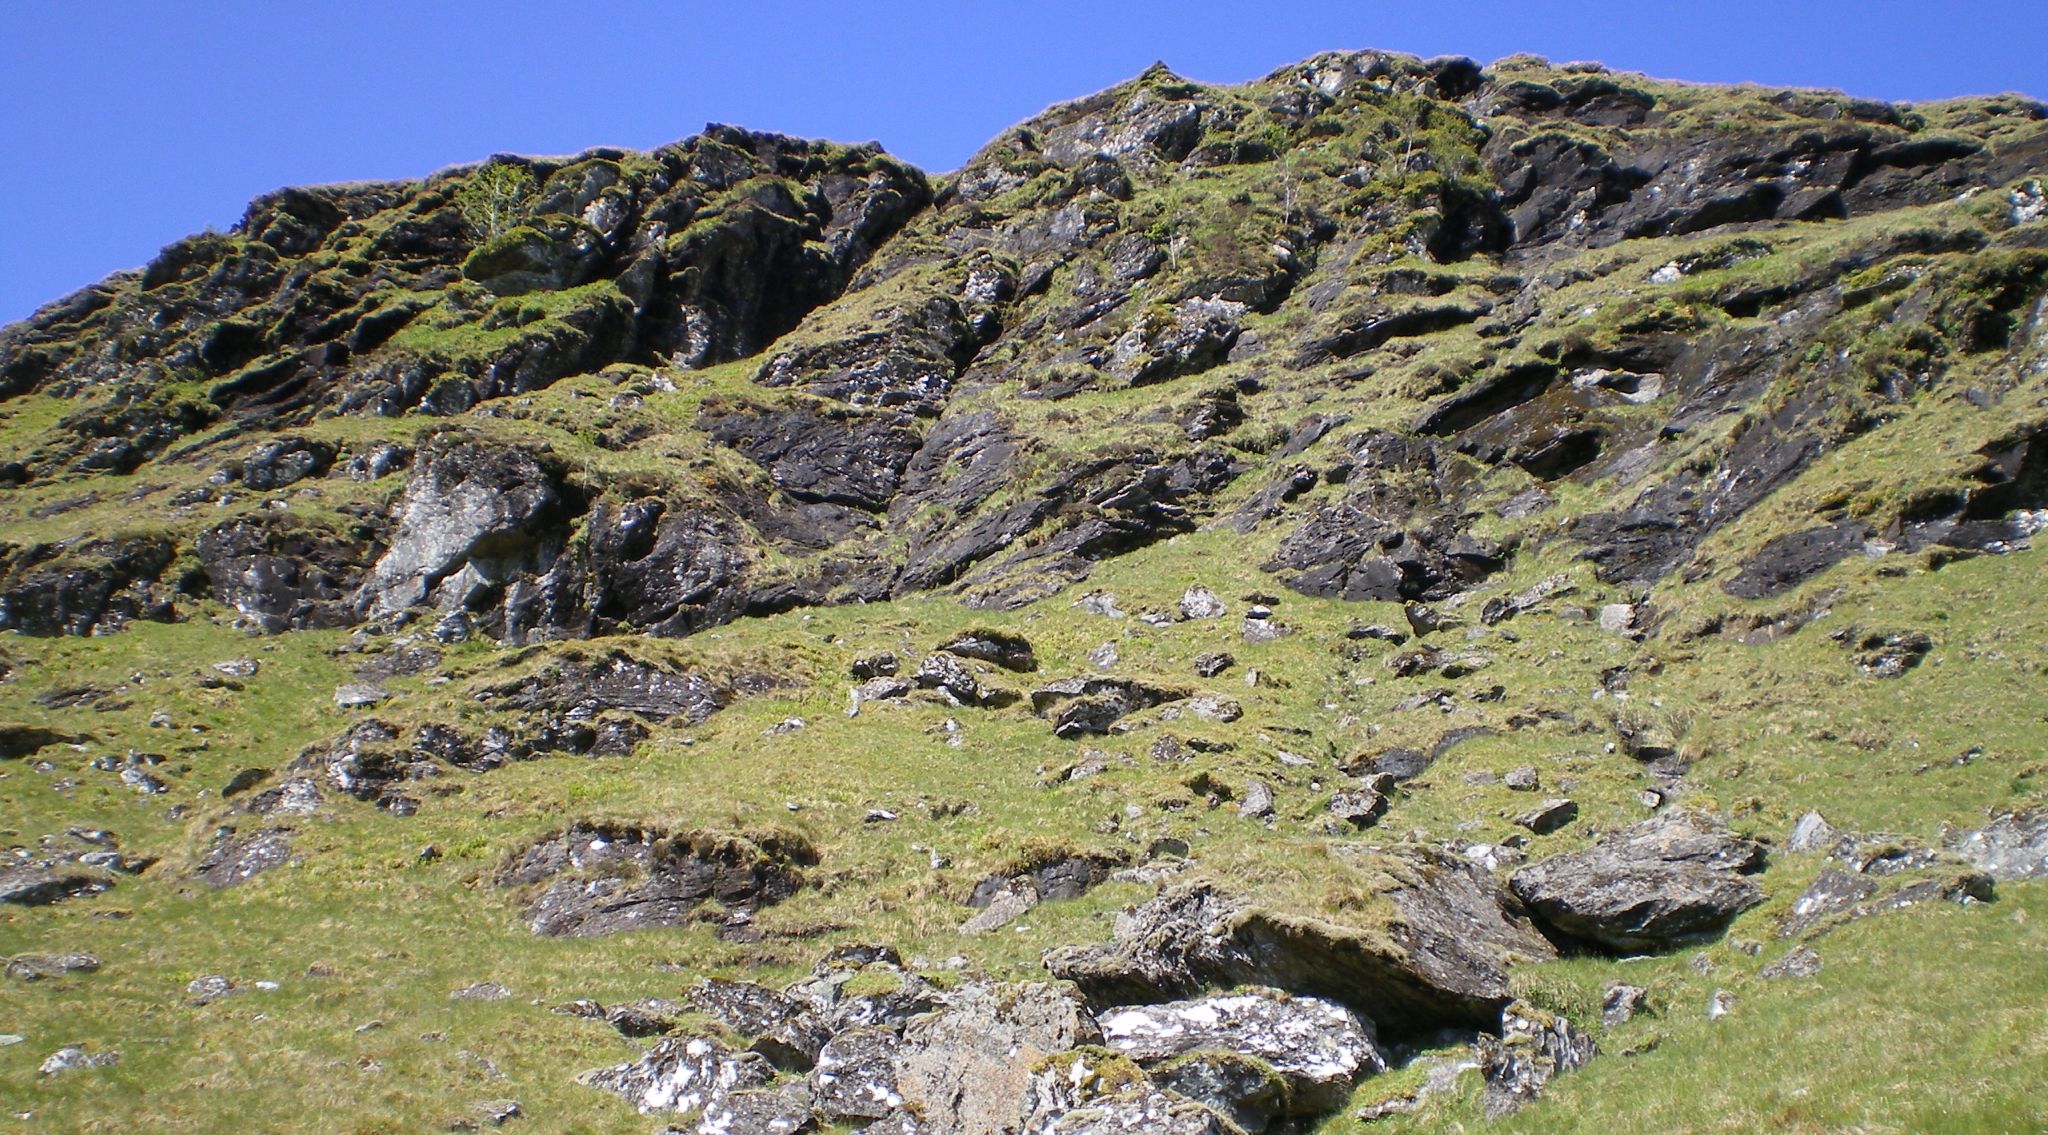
(126, 124)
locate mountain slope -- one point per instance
(1316, 512)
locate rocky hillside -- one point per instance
(1316, 605)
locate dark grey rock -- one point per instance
(1548, 816)
(784, 1029)
(597, 879)
(232, 858)
(1000, 648)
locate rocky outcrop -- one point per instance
(591, 880)
(1653, 886)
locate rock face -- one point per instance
(1652, 886)
(473, 518)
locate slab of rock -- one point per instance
(1214, 663)
(1258, 801)
(1318, 1047)
(40, 886)
(1801, 962)
(359, 695)
(1090, 705)
(2011, 848)
(682, 1075)
(42, 967)
(1438, 959)
(1007, 905)
(1652, 886)
(1359, 807)
(1621, 1003)
(234, 858)
(468, 505)
(1812, 833)
(944, 673)
(618, 681)
(1000, 648)
(1548, 816)
(757, 1111)
(1096, 1092)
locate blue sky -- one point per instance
(124, 124)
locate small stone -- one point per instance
(1523, 779)
(1359, 807)
(1549, 816)
(1720, 1005)
(1212, 708)
(1201, 603)
(1104, 657)
(497, 1112)
(357, 695)
(1622, 1002)
(1258, 801)
(1802, 962)
(883, 665)
(1812, 833)
(207, 990)
(72, 1058)
(784, 727)
(1210, 665)
(238, 667)
(879, 816)
(481, 991)
(1618, 618)
(1268, 629)
(1100, 603)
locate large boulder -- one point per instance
(1316, 1048)
(1653, 886)
(1430, 949)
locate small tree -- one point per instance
(493, 197)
